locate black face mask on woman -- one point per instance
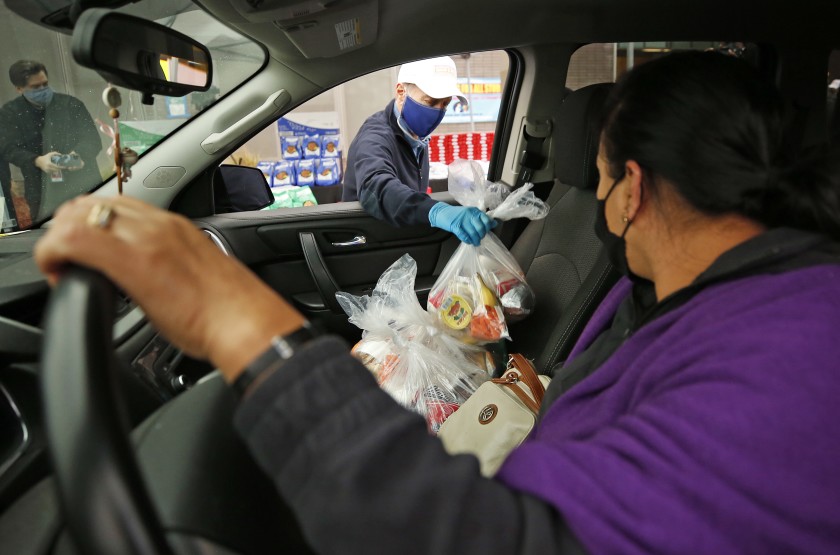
(615, 244)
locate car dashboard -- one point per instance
(152, 371)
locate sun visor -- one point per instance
(318, 28)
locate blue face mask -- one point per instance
(40, 97)
(420, 119)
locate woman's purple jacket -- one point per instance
(715, 428)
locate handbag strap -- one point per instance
(528, 375)
(523, 371)
(532, 406)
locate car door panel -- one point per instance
(270, 243)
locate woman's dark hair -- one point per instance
(22, 70)
(709, 125)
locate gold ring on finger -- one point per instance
(101, 216)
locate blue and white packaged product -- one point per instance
(291, 147)
(284, 173)
(329, 146)
(327, 172)
(311, 147)
(305, 170)
(267, 168)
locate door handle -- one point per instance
(357, 240)
(324, 281)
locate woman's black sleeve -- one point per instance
(363, 475)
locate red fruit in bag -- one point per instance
(437, 412)
(437, 298)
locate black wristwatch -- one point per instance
(282, 348)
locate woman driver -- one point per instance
(697, 414)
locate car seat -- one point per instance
(563, 260)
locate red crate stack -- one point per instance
(436, 153)
(469, 146)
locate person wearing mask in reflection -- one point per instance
(41, 125)
(388, 161)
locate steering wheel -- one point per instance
(184, 484)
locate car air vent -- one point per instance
(217, 241)
(122, 303)
(15, 435)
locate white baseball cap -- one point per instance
(437, 77)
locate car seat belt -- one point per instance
(531, 159)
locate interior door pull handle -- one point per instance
(269, 111)
(357, 240)
(324, 280)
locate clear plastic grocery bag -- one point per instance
(414, 359)
(469, 187)
(482, 288)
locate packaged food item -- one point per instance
(413, 357)
(329, 146)
(305, 171)
(466, 305)
(283, 174)
(70, 161)
(506, 279)
(311, 147)
(378, 355)
(267, 167)
(282, 199)
(290, 196)
(326, 171)
(439, 404)
(291, 147)
(303, 196)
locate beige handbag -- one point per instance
(497, 417)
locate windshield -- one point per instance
(56, 134)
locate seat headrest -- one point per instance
(577, 136)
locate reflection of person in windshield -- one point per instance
(50, 136)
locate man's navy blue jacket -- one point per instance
(384, 175)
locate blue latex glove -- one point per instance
(468, 223)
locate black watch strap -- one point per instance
(282, 348)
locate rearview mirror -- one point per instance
(138, 54)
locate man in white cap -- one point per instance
(388, 162)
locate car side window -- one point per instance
(304, 154)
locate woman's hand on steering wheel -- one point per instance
(205, 302)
